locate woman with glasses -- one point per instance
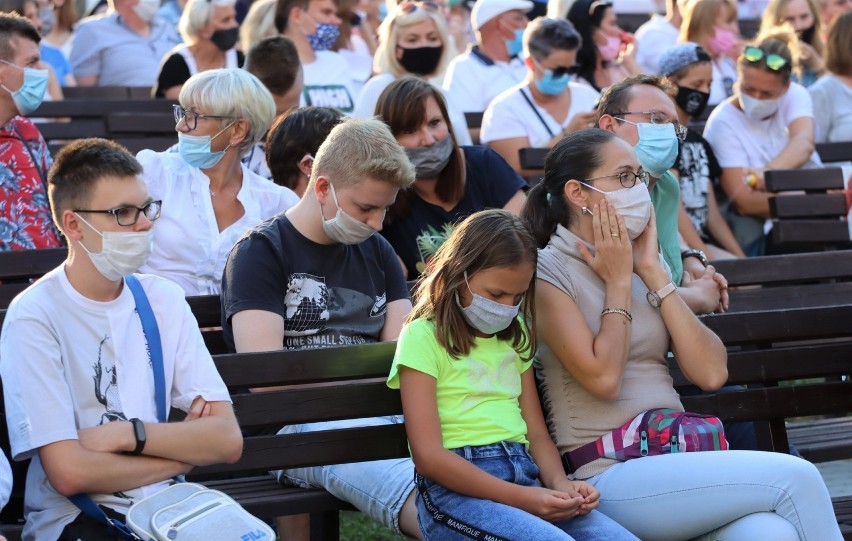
(607, 53)
(452, 181)
(713, 25)
(209, 30)
(548, 104)
(767, 124)
(832, 94)
(607, 315)
(413, 40)
(210, 197)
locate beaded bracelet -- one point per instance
(621, 311)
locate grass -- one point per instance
(356, 526)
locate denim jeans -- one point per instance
(378, 488)
(447, 515)
(715, 495)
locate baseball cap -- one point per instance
(681, 56)
(485, 10)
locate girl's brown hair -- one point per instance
(838, 56)
(484, 240)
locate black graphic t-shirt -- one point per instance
(698, 167)
(490, 183)
(328, 294)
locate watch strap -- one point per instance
(665, 291)
(139, 434)
(698, 254)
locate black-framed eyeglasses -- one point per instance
(774, 62)
(627, 179)
(129, 215)
(559, 71)
(656, 118)
(190, 117)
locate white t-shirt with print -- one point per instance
(738, 141)
(69, 362)
(724, 77)
(328, 83)
(510, 116)
(473, 80)
(189, 249)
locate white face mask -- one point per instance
(122, 253)
(343, 228)
(485, 315)
(632, 204)
(147, 9)
(756, 109)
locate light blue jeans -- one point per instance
(719, 495)
(447, 515)
(378, 489)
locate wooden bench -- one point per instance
(19, 268)
(834, 152)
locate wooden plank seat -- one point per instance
(834, 152)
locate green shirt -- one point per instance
(666, 199)
(477, 395)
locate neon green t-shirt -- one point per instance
(477, 395)
(666, 199)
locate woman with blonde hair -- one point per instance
(209, 29)
(712, 24)
(803, 17)
(413, 40)
(258, 24)
(832, 94)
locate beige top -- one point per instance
(575, 417)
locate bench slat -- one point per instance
(786, 180)
(807, 206)
(782, 269)
(776, 326)
(811, 231)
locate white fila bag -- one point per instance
(192, 512)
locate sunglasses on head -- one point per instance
(756, 54)
(411, 7)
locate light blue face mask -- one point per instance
(657, 147)
(485, 315)
(552, 86)
(196, 149)
(383, 11)
(516, 44)
(30, 95)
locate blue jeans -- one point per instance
(719, 495)
(444, 514)
(378, 489)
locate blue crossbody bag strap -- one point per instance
(152, 336)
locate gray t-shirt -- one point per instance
(832, 109)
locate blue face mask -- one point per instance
(383, 11)
(485, 315)
(516, 44)
(196, 149)
(552, 86)
(324, 37)
(30, 95)
(657, 147)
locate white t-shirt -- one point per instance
(328, 83)
(653, 39)
(510, 116)
(366, 106)
(69, 362)
(474, 80)
(724, 77)
(189, 249)
(738, 141)
(360, 62)
(832, 109)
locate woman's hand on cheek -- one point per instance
(613, 260)
(646, 249)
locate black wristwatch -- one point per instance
(695, 253)
(139, 433)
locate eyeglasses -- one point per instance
(411, 7)
(627, 179)
(129, 215)
(190, 117)
(656, 118)
(756, 54)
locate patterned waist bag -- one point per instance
(653, 432)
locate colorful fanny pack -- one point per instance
(653, 432)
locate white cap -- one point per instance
(485, 10)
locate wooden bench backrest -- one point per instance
(834, 152)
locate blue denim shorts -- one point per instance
(378, 489)
(447, 515)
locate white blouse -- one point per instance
(189, 249)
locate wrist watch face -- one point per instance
(653, 299)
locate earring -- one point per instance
(585, 210)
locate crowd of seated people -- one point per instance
(324, 157)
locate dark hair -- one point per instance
(79, 166)
(543, 36)
(402, 106)
(586, 22)
(12, 25)
(299, 132)
(575, 157)
(616, 97)
(275, 62)
(838, 56)
(484, 240)
(283, 9)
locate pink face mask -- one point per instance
(722, 41)
(609, 51)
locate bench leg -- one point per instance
(325, 526)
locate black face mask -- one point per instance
(421, 60)
(692, 101)
(225, 39)
(807, 34)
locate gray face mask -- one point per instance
(485, 315)
(343, 228)
(430, 161)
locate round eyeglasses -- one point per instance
(190, 117)
(627, 179)
(129, 214)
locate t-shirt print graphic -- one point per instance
(306, 305)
